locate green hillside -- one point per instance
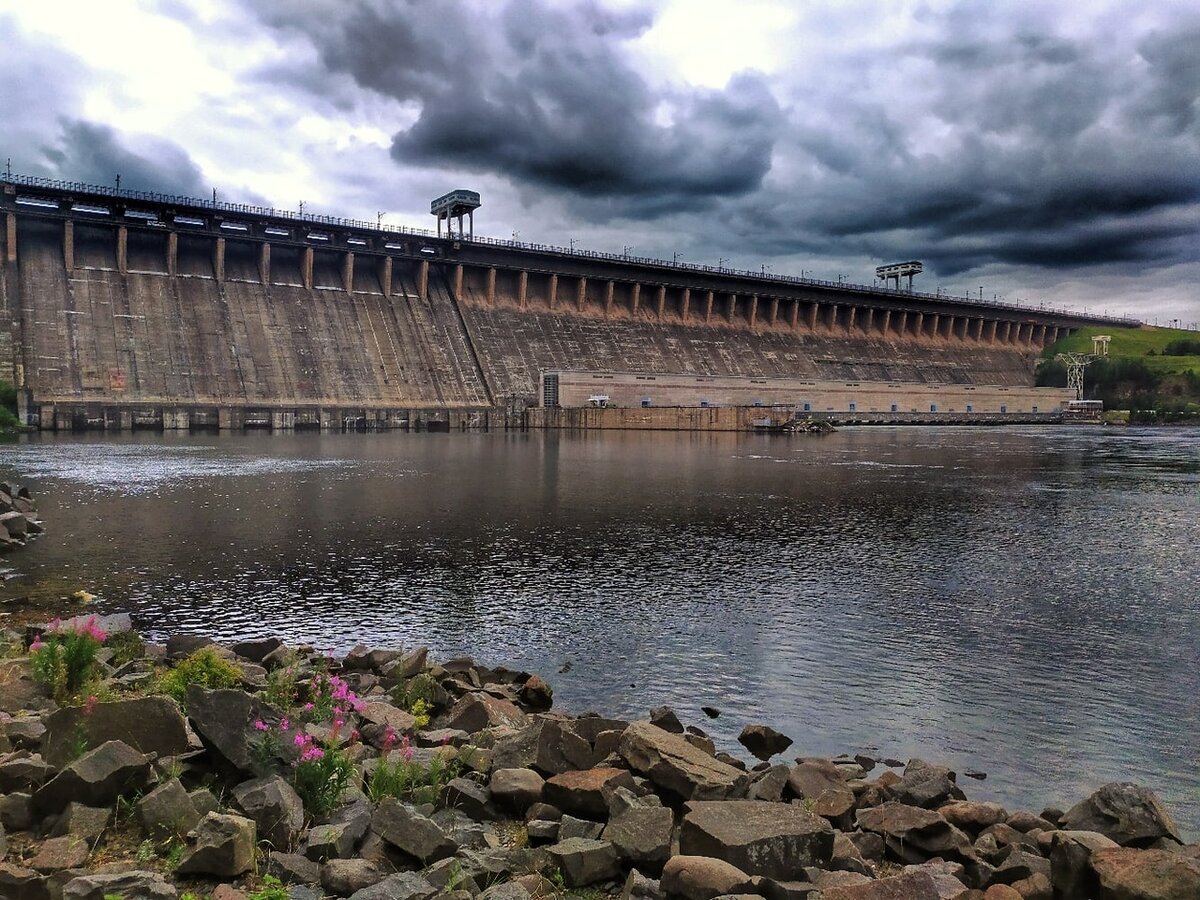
(1152, 372)
(1146, 344)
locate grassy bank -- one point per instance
(8, 407)
(1154, 373)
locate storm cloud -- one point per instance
(1041, 149)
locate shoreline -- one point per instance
(458, 776)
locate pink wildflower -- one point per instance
(354, 735)
(284, 724)
(301, 739)
(260, 725)
(312, 753)
(406, 748)
(90, 706)
(36, 645)
(309, 707)
(389, 738)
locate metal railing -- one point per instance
(674, 265)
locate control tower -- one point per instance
(898, 271)
(455, 205)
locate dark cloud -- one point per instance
(545, 95)
(96, 154)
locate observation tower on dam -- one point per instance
(125, 309)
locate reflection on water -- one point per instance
(1022, 601)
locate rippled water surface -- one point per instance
(1018, 601)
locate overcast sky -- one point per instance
(1041, 150)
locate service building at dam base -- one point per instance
(123, 310)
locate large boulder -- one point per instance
(140, 884)
(675, 765)
(148, 724)
(1126, 873)
(20, 883)
(403, 827)
(971, 815)
(168, 811)
(763, 741)
(561, 749)
(912, 834)
(927, 785)
(584, 861)
(343, 877)
(758, 837)
(1070, 862)
(19, 690)
(275, 807)
(584, 793)
(822, 786)
(401, 886)
(223, 847)
(516, 789)
(908, 886)
(1128, 813)
(641, 834)
(475, 712)
(97, 778)
(703, 878)
(224, 719)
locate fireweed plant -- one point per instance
(397, 774)
(64, 658)
(321, 770)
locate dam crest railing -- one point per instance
(376, 227)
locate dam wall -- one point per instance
(122, 311)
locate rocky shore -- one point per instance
(19, 520)
(253, 770)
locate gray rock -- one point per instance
(401, 886)
(58, 853)
(821, 784)
(16, 811)
(275, 807)
(1018, 865)
(224, 721)
(402, 826)
(1070, 862)
(763, 741)
(343, 877)
(913, 834)
(181, 645)
(561, 749)
(19, 690)
(947, 878)
(147, 724)
(665, 718)
(335, 840)
(256, 650)
(584, 793)
(583, 861)
(639, 887)
(702, 878)
(542, 830)
(292, 868)
(475, 712)
(136, 884)
(1127, 873)
(516, 789)
(908, 886)
(571, 827)
(223, 846)
(973, 816)
(641, 834)
(97, 778)
(204, 800)
(24, 771)
(675, 765)
(759, 838)
(167, 810)
(470, 798)
(508, 890)
(927, 786)
(1127, 813)
(19, 883)
(769, 784)
(25, 732)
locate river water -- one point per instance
(1018, 601)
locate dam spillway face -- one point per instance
(183, 316)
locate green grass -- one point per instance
(1145, 343)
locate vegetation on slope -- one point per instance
(1152, 372)
(8, 406)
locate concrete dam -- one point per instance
(125, 310)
